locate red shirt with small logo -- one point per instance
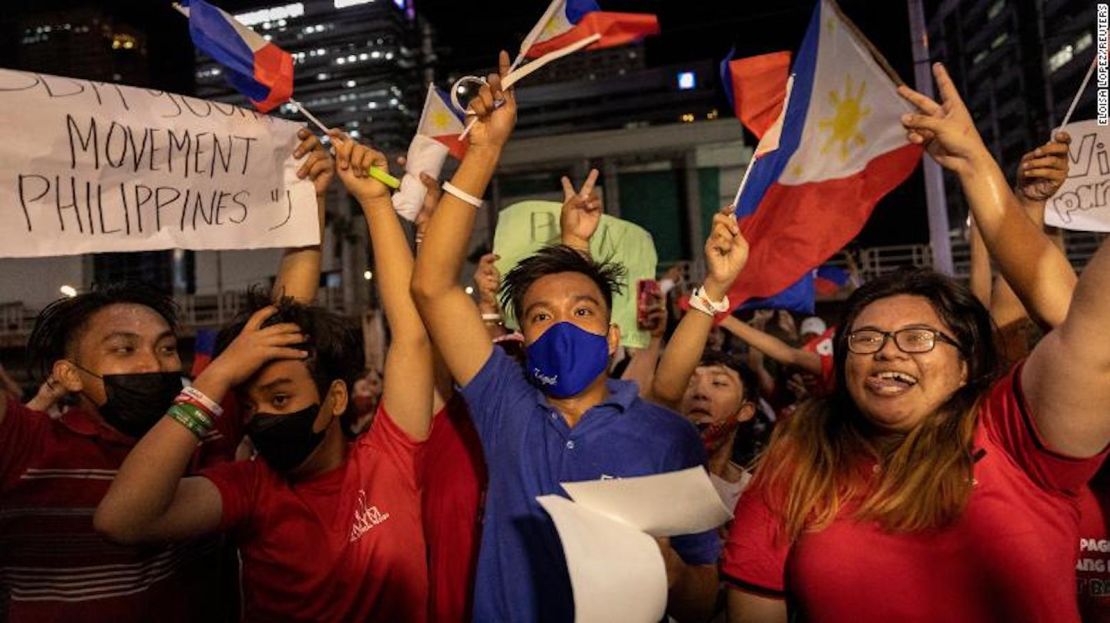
(1092, 566)
(454, 486)
(345, 545)
(1009, 557)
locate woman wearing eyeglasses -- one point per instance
(932, 486)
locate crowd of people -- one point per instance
(934, 455)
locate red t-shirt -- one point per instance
(1092, 566)
(55, 567)
(346, 545)
(1010, 557)
(454, 487)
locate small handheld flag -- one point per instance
(437, 136)
(566, 27)
(256, 67)
(568, 21)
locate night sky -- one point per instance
(469, 34)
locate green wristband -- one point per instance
(192, 418)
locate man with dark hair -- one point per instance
(722, 397)
(560, 418)
(560, 258)
(328, 529)
(115, 349)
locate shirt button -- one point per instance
(570, 445)
(553, 416)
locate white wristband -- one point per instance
(462, 195)
(213, 407)
(700, 301)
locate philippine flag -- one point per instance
(836, 149)
(257, 68)
(568, 21)
(440, 122)
(756, 88)
(437, 136)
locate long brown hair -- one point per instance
(812, 467)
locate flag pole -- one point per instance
(375, 172)
(517, 75)
(935, 200)
(1079, 93)
(535, 33)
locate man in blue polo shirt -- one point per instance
(563, 420)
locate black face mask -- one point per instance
(285, 441)
(137, 401)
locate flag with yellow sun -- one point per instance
(836, 149)
(437, 135)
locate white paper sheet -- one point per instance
(682, 502)
(616, 571)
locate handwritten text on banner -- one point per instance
(92, 167)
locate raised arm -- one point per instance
(581, 213)
(772, 346)
(1067, 378)
(641, 368)
(980, 275)
(448, 311)
(149, 500)
(726, 252)
(299, 272)
(1036, 269)
(408, 377)
(487, 280)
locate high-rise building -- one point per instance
(1017, 63)
(357, 64)
(81, 43)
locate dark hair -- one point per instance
(732, 362)
(609, 276)
(926, 479)
(60, 324)
(334, 347)
(955, 304)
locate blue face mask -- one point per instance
(566, 359)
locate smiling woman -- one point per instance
(890, 480)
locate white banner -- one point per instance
(1083, 202)
(91, 167)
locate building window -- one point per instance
(1060, 58)
(1083, 42)
(995, 9)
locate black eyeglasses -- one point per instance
(912, 341)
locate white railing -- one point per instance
(209, 311)
(198, 311)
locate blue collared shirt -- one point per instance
(522, 574)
